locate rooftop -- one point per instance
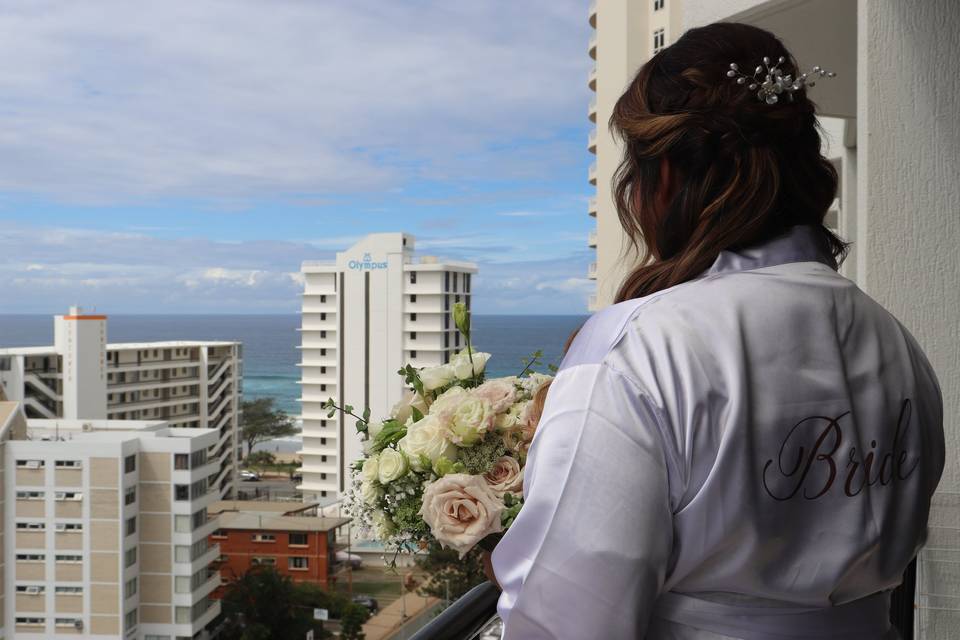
(254, 515)
(121, 346)
(100, 430)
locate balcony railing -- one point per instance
(466, 619)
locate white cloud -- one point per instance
(233, 99)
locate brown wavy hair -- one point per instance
(741, 171)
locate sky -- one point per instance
(186, 157)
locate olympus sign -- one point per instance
(366, 263)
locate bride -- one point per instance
(745, 445)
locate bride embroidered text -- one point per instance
(813, 470)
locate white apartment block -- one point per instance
(366, 315)
(184, 383)
(626, 34)
(105, 529)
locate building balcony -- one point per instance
(592, 207)
(592, 238)
(592, 271)
(592, 174)
(592, 14)
(592, 47)
(592, 141)
(592, 110)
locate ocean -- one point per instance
(270, 353)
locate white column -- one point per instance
(908, 230)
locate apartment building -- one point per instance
(288, 537)
(184, 383)
(106, 528)
(626, 34)
(374, 309)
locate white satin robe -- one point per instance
(747, 455)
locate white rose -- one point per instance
(461, 510)
(447, 401)
(506, 476)
(463, 369)
(471, 418)
(511, 418)
(370, 493)
(370, 471)
(427, 438)
(436, 377)
(402, 411)
(391, 465)
(500, 392)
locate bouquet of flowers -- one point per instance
(447, 463)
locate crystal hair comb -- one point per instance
(776, 82)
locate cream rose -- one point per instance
(463, 369)
(500, 393)
(436, 377)
(447, 401)
(402, 411)
(427, 438)
(471, 418)
(461, 510)
(371, 469)
(391, 465)
(506, 476)
(370, 493)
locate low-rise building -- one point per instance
(105, 526)
(283, 535)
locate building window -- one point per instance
(181, 492)
(263, 537)
(130, 557)
(413, 297)
(323, 298)
(68, 464)
(323, 494)
(31, 589)
(413, 277)
(70, 591)
(446, 280)
(323, 387)
(34, 526)
(130, 619)
(299, 539)
(659, 40)
(29, 621)
(323, 334)
(455, 276)
(70, 496)
(130, 588)
(130, 464)
(323, 316)
(30, 495)
(323, 369)
(30, 464)
(323, 441)
(413, 335)
(258, 560)
(323, 458)
(323, 352)
(68, 527)
(69, 557)
(323, 476)
(181, 461)
(297, 563)
(31, 557)
(466, 283)
(413, 317)
(219, 533)
(413, 354)
(131, 525)
(130, 495)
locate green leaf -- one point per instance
(366, 414)
(417, 414)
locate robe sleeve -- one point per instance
(588, 553)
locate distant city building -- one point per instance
(627, 34)
(105, 527)
(365, 316)
(286, 536)
(186, 384)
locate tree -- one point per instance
(264, 604)
(260, 458)
(450, 577)
(262, 421)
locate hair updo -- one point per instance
(743, 171)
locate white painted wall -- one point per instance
(82, 339)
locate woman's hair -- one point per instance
(741, 170)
